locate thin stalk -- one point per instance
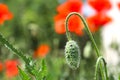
(97, 65)
(89, 33)
(66, 27)
(86, 28)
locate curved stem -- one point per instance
(86, 28)
(66, 27)
(89, 33)
(97, 65)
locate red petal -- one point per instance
(119, 5)
(59, 16)
(74, 23)
(11, 68)
(91, 25)
(8, 16)
(42, 50)
(79, 31)
(1, 66)
(3, 8)
(59, 27)
(59, 23)
(99, 19)
(70, 6)
(100, 5)
(4, 13)
(1, 21)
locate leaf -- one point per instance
(23, 75)
(43, 70)
(12, 48)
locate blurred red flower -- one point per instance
(69, 6)
(100, 5)
(98, 20)
(11, 68)
(42, 51)
(1, 66)
(5, 14)
(74, 24)
(59, 23)
(119, 5)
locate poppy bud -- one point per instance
(72, 54)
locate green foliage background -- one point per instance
(33, 25)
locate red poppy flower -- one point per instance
(4, 13)
(70, 6)
(11, 68)
(1, 66)
(42, 51)
(74, 24)
(98, 20)
(100, 5)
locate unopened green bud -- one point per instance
(72, 54)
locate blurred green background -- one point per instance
(33, 25)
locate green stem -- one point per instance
(9, 46)
(89, 33)
(97, 65)
(66, 27)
